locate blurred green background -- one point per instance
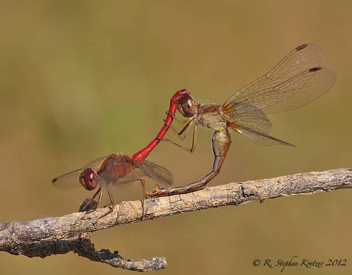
(83, 79)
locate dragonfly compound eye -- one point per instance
(88, 179)
(187, 106)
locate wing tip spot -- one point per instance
(301, 47)
(315, 69)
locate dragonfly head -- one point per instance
(187, 106)
(88, 179)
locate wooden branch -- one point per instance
(59, 235)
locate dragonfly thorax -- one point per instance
(212, 116)
(114, 168)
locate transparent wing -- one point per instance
(242, 114)
(156, 172)
(260, 138)
(71, 179)
(253, 124)
(133, 175)
(149, 169)
(294, 82)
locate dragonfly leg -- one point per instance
(143, 185)
(175, 118)
(221, 142)
(111, 205)
(92, 202)
(112, 202)
(144, 197)
(183, 133)
(193, 147)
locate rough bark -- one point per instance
(59, 235)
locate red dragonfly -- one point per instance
(294, 82)
(113, 169)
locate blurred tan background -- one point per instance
(83, 79)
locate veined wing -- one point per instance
(147, 169)
(258, 137)
(253, 124)
(294, 82)
(156, 172)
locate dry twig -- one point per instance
(59, 235)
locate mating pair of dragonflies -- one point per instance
(294, 82)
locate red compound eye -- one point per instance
(88, 179)
(187, 106)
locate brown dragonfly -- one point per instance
(113, 169)
(294, 82)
